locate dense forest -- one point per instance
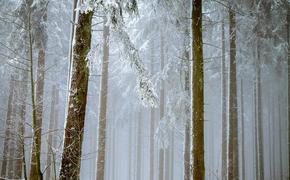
(145, 89)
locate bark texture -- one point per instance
(233, 156)
(224, 108)
(74, 128)
(198, 93)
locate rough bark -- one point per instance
(224, 108)
(233, 164)
(74, 128)
(198, 93)
(103, 108)
(186, 155)
(8, 128)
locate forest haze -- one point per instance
(145, 89)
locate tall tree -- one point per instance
(224, 107)
(74, 129)
(139, 146)
(198, 92)
(103, 107)
(8, 128)
(162, 109)
(50, 140)
(187, 134)
(288, 41)
(152, 122)
(243, 131)
(233, 164)
(40, 38)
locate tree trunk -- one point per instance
(288, 40)
(256, 133)
(233, 171)
(259, 117)
(35, 166)
(198, 92)
(74, 130)
(270, 141)
(187, 135)
(274, 139)
(243, 131)
(8, 128)
(280, 139)
(139, 146)
(171, 176)
(224, 108)
(13, 134)
(152, 122)
(103, 107)
(52, 127)
(130, 153)
(162, 109)
(20, 164)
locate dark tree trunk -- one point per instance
(74, 129)
(233, 171)
(198, 92)
(224, 108)
(259, 116)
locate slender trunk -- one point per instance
(74, 129)
(259, 116)
(52, 126)
(20, 164)
(35, 171)
(198, 93)
(13, 134)
(8, 128)
(187, 142)
(243, 131)
(152, 123)
(103, 108)
(280, 139)
(162, 109)
(233, 173)
(224, 107)
(139, 148)
(270, 141)
(274, 139)
(256, 133)
(171, 176)
(288, 40)
(130, 153)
